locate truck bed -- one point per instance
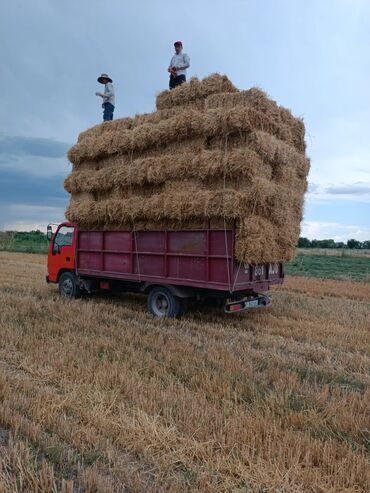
(198, 258)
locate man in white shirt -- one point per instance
(178, 65)
(108, 97)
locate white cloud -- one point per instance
(338, 232)
(353, 191)
(26, 209)
(36, 165)
(24, 226)
(345, 167)
(340, 149)
(32, 217)
(359, 188)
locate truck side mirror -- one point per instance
(49, 232)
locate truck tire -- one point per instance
(162, 303)
(68, 287)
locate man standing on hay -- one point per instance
(178, 65)
(108, 97)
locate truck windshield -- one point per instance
(63, 237)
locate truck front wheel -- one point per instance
(162, 303)
(68, 287)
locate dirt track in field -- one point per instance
(96, 395)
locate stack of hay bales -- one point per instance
(210, 154)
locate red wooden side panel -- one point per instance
(117, 262)
(218, 270)
(117, 240)
(92, 240)
(187, 242)
(202, 258)
(187, 268)
(220, 244)
(149, 265)
(150, 241)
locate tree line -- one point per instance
(352, 244)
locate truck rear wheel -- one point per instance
(162, 303)
(68, 287)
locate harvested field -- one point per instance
(97, 396)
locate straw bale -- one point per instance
(89, 166)
(121, 123)
(187, 124)
(256, 241)
(287, 241)
(205, 166)
(194, 90)
(272, 149)
(209, 155)
(259, 100)
(192, 147)
(241, 120)
(178, 205)
(80, 197)
(128, 123)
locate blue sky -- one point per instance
(310, 56)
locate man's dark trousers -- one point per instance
(177, 81)
(108, 112)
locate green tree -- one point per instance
(304, 243)
(354, 244)
(327, 243)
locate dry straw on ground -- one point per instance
(210, 152)
(100, 397)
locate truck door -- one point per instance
(61, 252)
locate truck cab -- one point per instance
(61, 253)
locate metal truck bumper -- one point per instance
(257, 301)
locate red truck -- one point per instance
(169, 266)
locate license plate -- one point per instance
(251, 304)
